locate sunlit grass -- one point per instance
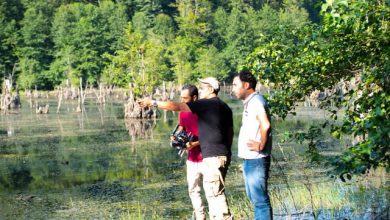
(329, 199)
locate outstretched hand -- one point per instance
(145, 102)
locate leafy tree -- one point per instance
(69, 39)
(359, 30)
(239, 35)
(193, 19)
(113, 20)
(141, 23)
(181, 55)
(36, 46)
(292, 15)
(349, 48)
(164, 28)
(11, 12)
(150, 8)
(238, 28)
(210, 63)
(141, 62)
(82, 34)
(192, 35)
(155, 62)
(313, 7)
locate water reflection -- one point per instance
(16, 176)
(140, 129)
(10, 130)
(99, 155)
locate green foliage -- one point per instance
(350, 48)
(36, 47)
(82, 34)
(164, 29)
(193, 19)
(346, 55)
(188, 50)
(141, 23)
(240, 29)
(181, 53)
(11, 12)
(210, 63)
(51, 41)
(236, 29)
(149, 7)
(313, 8)
(362, 29)
(140, 62)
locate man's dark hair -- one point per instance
(191, 89)
(247, 76)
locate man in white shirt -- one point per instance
(254, 143)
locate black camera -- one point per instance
(181, 138)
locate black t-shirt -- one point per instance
(215, 122)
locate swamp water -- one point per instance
(97, 165)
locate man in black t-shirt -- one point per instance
(215, 122)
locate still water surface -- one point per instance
(97, 165)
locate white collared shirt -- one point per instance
(254, 104)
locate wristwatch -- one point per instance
(154, 103)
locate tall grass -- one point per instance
(323, 199)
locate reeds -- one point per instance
(321, 199)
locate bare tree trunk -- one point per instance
(59, 100)
(30, 99)
(142, 66)
(81, 92)
(78, 109)
(102, 99)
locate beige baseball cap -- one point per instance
(213, 82)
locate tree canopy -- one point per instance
(347, 55)
(45, 43)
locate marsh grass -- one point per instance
(328, 199)
(88, 166)
(331, 199)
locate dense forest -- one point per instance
(339, 48)
(43, 42)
